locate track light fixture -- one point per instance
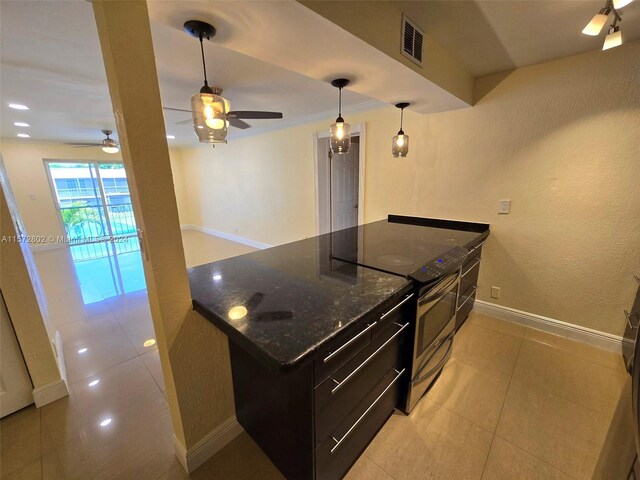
(400, 144)
(340, 131)
(599, 20)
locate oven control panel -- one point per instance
(442, 265)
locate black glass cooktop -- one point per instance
(421, 252)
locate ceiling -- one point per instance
(65, 83)
(491, 36)
(50, 58)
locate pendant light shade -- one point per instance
(209, 117)
(594, 27)
(617, 4)
(340, 131)
(613, 38)
(400, 144)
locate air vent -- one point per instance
(412, 40)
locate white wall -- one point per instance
(555, 138)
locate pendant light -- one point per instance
(208, 108)
(614, 36)
(340, 131)
(400, 145)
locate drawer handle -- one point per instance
(397, 306)
(342, 347)
(471, 268)
(361, 417)
(629, 315)
(475, 289)
(476, 247)
(369, 358)
(420, 377)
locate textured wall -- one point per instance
(559, 139)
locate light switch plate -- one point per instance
(504, 207)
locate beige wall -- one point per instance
(559, 139)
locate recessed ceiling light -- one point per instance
(171, 137)
(94, 383)
(21, 124)
(150, 343)
(217, 277)
(24, 135)
(18, 106)
(82, 350)
(105, 422)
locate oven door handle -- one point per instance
(441, 292)
(421, 378)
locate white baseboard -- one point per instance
(598, 339)
(50, 393)
(208, 446)
(227, 236)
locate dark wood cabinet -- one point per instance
(468, 285)
(314, 421)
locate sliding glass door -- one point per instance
(95, 209)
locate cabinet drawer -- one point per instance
(469, 277)
(340, 393)
(348, 440)
(465, 307)
(345, 347)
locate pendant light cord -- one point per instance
(340, 102)
(401, 117)
(204, 66)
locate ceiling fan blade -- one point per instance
(236, 122)
(176, 109)
(184, 122)
(254, 114)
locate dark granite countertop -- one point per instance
(281, 304)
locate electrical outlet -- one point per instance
(495, 292)
(504, 207)
(32, 196)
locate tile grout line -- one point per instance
(536, 457)
(495, 433)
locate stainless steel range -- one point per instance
(430, 256)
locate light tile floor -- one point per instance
(513, 403)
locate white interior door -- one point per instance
(344, 187)
(16, 390)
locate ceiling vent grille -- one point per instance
(412, 40)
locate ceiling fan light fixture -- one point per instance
(613, 38)
(209, 113)
(597, 23)
(340, 131)
(400, 143)
(109, 145)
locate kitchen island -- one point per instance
(319, 347)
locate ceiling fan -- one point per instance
(210, 112)
(108, 145)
